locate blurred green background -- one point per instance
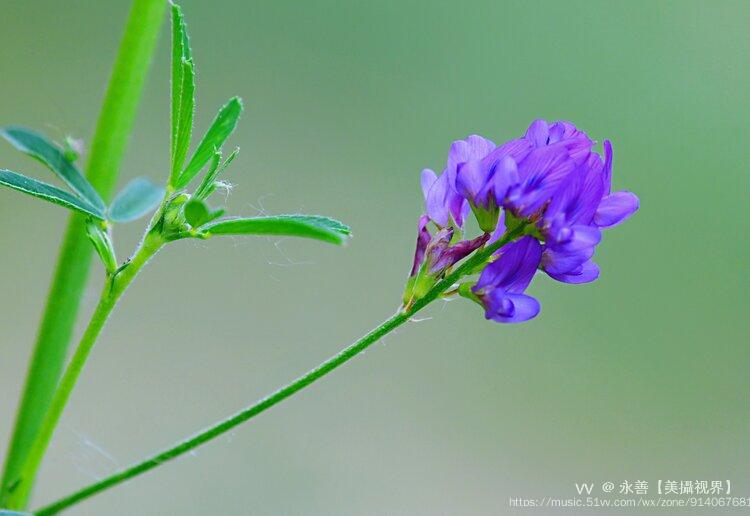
(642, 375)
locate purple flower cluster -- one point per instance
(552, 180)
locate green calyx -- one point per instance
(529, 227)
(464, 290)
(419, 285)
(486, 217)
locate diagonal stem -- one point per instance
(19, 488)
(212, 432)
(110, 139)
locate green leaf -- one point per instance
(99, 236)
(306, 226)
(208, 184)
(220, 129)
(215, 214)
(180, 52)
(185, 122)
(204, 189)
(48, 193)
(51, 155)
(196, 212)
(137, 199)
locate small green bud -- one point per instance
(172, 224)
(425, 282)
(408, 297)
(98, 233)
(464, 290)
(419, 285)
(73, 149)
(173, 212)
(196, 213)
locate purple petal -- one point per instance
(592, 189)
(510, 308)
(541, 161)
(615, 208)
(516, 149)
(450, 255)
(588, 272)
(563, 202)
(579, 148)
(423, 238)
(567, 256)
(458, 207)
(437, 246)
(427, 179)
(542, 174)
(474, 147)
(576, 200)
(506, 176)
(499, 229)
(471, 177)
(435, 201)
(607, 172)
(557, 263)
(538, 133)
(580, 238)
(557, 131)
(578, 142)
(564, 130)
(515, 267)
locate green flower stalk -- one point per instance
(479, 259)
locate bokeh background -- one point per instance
(642, 375)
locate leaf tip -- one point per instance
(237, 101)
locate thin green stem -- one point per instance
(114, 288)
(280, 395)
(71, 273)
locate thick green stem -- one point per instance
(108, 146)
(300, 383)
(114, 288)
